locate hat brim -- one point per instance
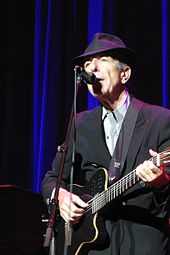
(125, 55)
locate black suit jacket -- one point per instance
(141, 203)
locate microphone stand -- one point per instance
(63, 149)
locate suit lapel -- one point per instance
(98, 138)
(138, 135)
(135, 137)
(129, 127)
(120, 153)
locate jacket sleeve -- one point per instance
(50, 180)
(162, 196)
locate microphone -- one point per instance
(88, 78)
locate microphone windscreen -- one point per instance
(87, 78)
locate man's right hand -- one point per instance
(71, 206)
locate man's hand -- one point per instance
(152, 174)
(71, 206)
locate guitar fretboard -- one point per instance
(119, 187)
(115, 190)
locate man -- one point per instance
(120, 135)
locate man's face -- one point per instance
(108, 74)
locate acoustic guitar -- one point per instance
(90, 230)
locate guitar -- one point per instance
(85, 234)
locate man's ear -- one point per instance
(125, 74)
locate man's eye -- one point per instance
(86, 64)
(103, 59)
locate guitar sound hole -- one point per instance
(100, 183)
(97, 185)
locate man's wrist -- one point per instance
(162, 182)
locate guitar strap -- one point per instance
(119, 156)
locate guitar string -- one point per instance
(129, 177)
(119, 187)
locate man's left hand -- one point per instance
(148, 172)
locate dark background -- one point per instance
(38, 40)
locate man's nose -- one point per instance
(94, 66)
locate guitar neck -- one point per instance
(114, 191)
(122, 185)
(119, 187)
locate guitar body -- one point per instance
(86, 234)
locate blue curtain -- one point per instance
(165, 53)
(100, 16)
(93, 27)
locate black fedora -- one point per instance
(110, 44)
